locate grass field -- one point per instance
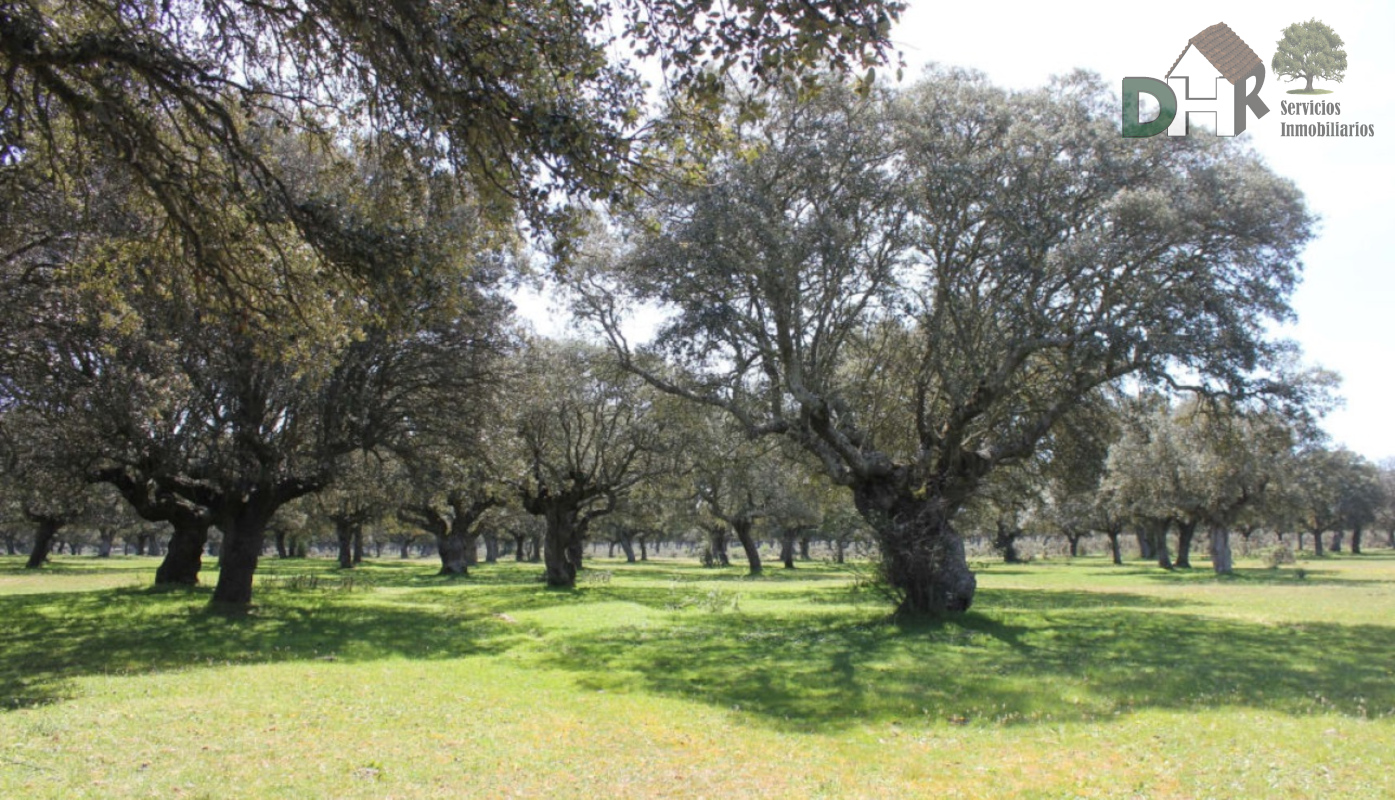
(661, 679)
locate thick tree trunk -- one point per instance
(1309, 87)
(281, 543)
(491, 547)
(1154, 532)
(344, 535)
(451, 549)
(922, 556)
(742, 527)
(1006, 543)
(804, 548)
(358, 545)
(562, 546)
(787, 549)
(244, 533)
(45, 529)
(520, 547)
(184, 556)
(643, 549)
(1356, 540)
(1317, 543)
(715, 555)
(1147, 547)
(839, 549)
(1074, 540)
(1221, 560)
(105, 540)
(1337, 537)
(1186, 532)
(627, 544)
(405, 550)
(1115, 551)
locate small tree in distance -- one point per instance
(1310, 50)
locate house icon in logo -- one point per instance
(1210, 77)
(1214, 67)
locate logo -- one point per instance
(1210, 78)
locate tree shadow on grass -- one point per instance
(50, 639)
(1057, 661)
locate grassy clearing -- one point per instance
(662, 679)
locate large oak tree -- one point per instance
(916, 286)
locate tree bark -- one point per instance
(1114, 549)
(1317, 543)
(105, 539)
(643, 550)
(716, 553)
(281, 543)
(1186, 532)
(562, 546)
(804, 548)
(1006, 543)
(520, 542)
(1074, 540)
(45, 529)
(626, 540)
(1221, 560)
(491, 547)
(344, 533)
(787, 548)
(184, 556)
(1154, 532)
(244, 532)
(1356, 540)
(1147, 547)
(1337, 537)
(451, 549)
(922, 556)
(839, 549)
(742, 527)
(358, 545)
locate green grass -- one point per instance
(1068, 679)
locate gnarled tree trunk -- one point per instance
(184, 555)
(562, 546)
(742, 527)
(45, 529)
(922, 556)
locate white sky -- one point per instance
(1346, 305)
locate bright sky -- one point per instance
(1346, 305)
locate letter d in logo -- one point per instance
(1167, 107)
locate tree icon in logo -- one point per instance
(1310, 50)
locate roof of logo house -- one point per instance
(1227, 52)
